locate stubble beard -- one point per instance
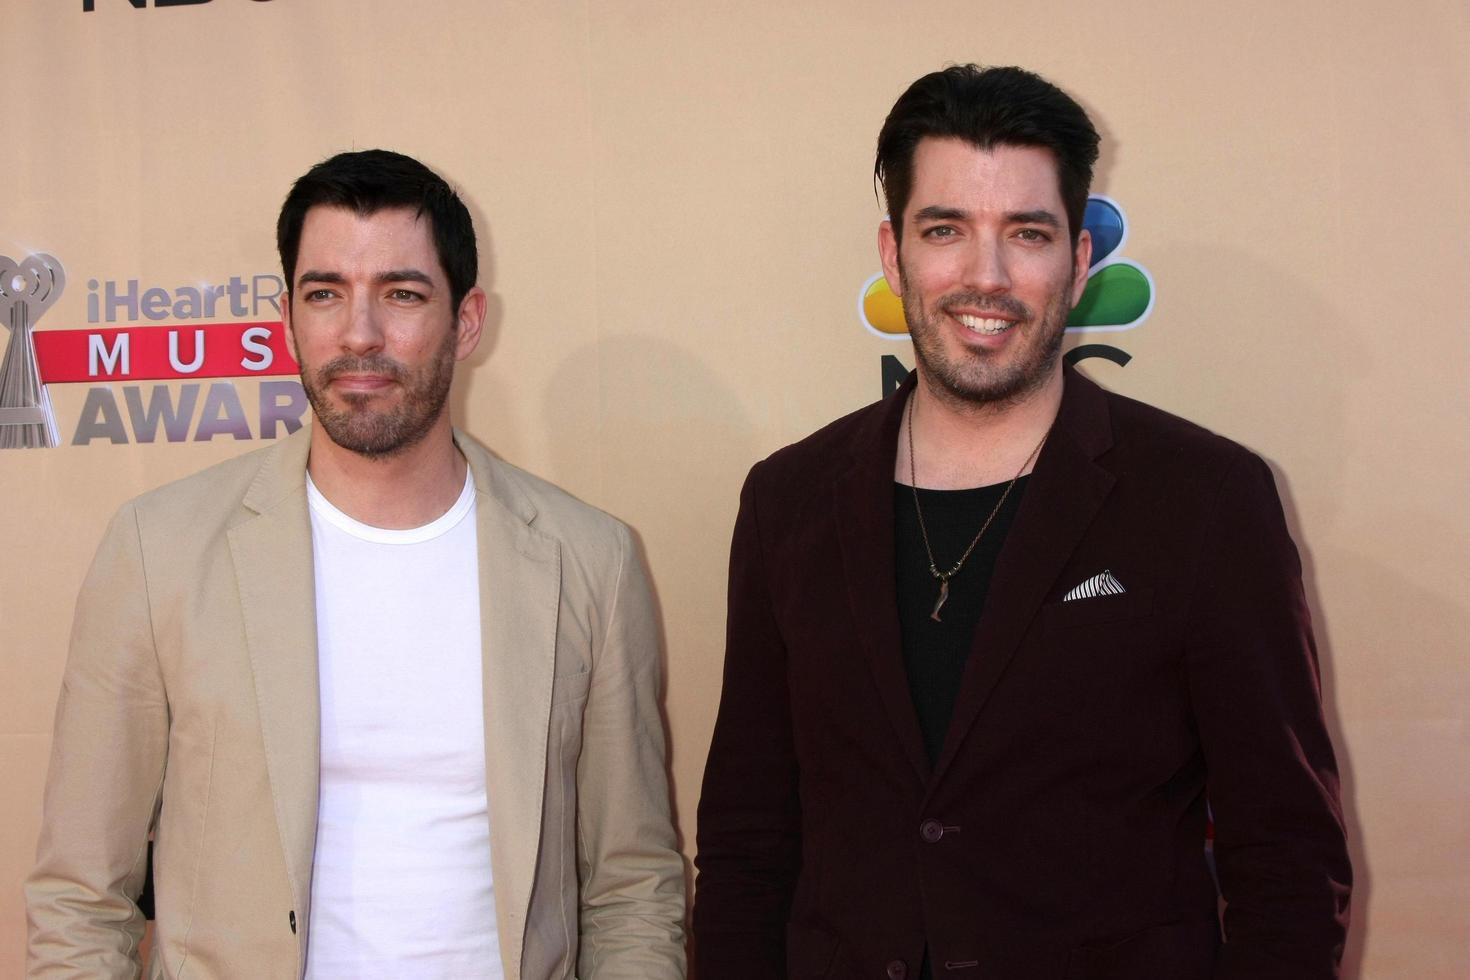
(356, 426)
(975, 378)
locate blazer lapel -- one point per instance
(1064, 494)
(271, 550)
(863, 505)
(520, 592)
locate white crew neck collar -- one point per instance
(440, 525)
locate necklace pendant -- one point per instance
(943, 595)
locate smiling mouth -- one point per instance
(988, 326)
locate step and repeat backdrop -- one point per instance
(678, 229)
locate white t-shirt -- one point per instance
(401, 886)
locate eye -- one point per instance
(405, 296)
(318, 295)
(939, 232)
(1033, 235)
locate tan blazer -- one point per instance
(189, 707)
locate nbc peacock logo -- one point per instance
(1119, 295)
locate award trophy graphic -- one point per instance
(27, 290)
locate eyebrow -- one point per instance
(1040, 216)
(391, 275)
(314, 275)
(403, 275)
(938, 212)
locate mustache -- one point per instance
(380, 364)
(985, 304)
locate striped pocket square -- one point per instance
(1103, 583)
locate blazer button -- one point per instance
(931, 831)
(897, 970)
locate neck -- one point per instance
(958, 445)
(407, 489)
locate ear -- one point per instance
(469, 322)
(1083, 262)
(888, 253)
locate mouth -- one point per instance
(986, 326)
(361, 383)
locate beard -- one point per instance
(356, 426)
(983, 377)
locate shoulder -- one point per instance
(576, 524)
(833, 446)
(1181, 461)
(213, 498)
(173, 532)
(1143, 432)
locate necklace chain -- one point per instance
(944, 577)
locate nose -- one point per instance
(986, 269)
(363, 332)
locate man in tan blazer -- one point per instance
(208, 698)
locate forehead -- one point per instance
(341, 240)
(956, 173)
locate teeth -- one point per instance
(981, 324)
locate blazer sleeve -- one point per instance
(749, 837)
(1280, 846)
(632, 876)
(105, 776)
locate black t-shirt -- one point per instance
(934, 654)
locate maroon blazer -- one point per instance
(1060, 836)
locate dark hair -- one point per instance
(368, 181)
(988, 107)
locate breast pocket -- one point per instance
(1110, 668)
(1097, 610)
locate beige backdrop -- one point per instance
(677, 215)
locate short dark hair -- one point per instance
(988, 107)
(368, 181)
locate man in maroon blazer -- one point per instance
(995, 640)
